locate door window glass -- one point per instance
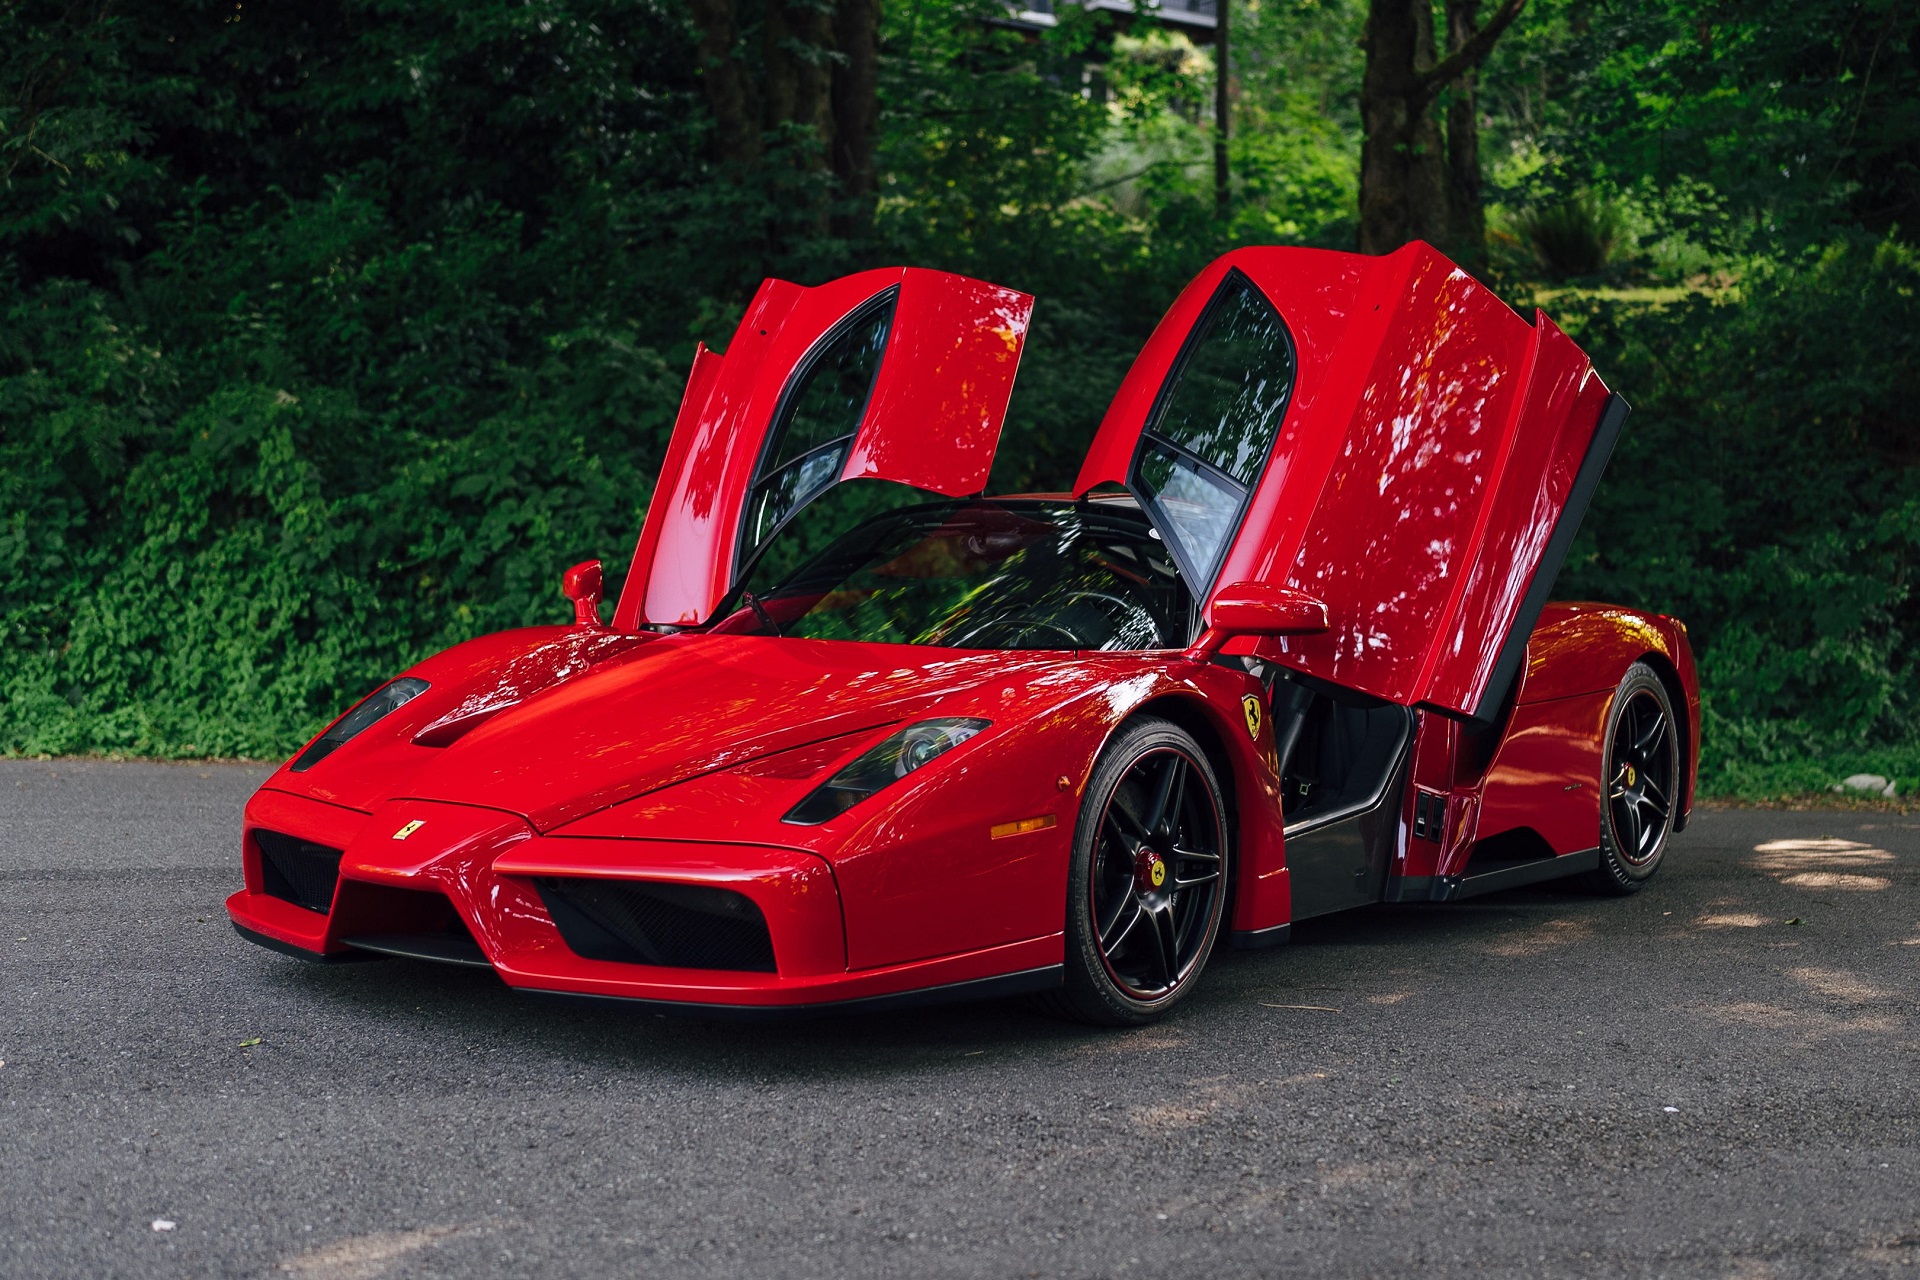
(818, 419)
(1196, 505)
(1214, 425)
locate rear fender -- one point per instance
(1545, 771)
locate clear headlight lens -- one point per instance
(387, 698)
(882, 765)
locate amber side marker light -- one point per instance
(1023, 826)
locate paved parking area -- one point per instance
(1716, 1078)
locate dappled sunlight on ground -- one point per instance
(1123, 1044)
(370, 1256)
(1537, 939)
(1838, 984)
(1839, 1003)
(1811, 1026)
(1192, 1103)
(1823, 863)
(1837, 880)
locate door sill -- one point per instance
(1453, 888)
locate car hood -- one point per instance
(693, 704)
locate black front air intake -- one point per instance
(646, 922)
(298, 871)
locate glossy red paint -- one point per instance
(917, 879)
(469, 684)
(253, 908)
(582, 585)
(617, 753)
(1538, 771)
(1430, 443)
(932, 421)
(1243, 613)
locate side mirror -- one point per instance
(1257, 609)
(581, 584)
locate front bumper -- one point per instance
(436, 873)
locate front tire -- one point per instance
(1147, 889)
(1639, 783)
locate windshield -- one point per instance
(978, 574)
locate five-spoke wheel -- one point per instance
(1149, 876)
(1640, 778)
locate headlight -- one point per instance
(882, 766)
(386, 698)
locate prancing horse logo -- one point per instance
(409, 829)
(1251, 705)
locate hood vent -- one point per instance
(449, 729)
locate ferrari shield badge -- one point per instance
(1251, 705)
(409, 829)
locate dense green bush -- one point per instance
(341, 329)
(1766, 491)
(331, 335)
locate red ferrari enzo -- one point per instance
(857, 735)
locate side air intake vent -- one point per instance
(298, 871)
(646, 922)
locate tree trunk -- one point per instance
(1405, 180)
(1402, 185)
(1222, 110)
(856, 109)
(817, 68)
(1466, 215)
(723, 81)
(797, 46)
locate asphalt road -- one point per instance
(1686, 1083)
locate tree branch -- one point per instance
(1471, 54)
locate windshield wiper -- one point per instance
(760, 611)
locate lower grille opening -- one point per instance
(417, 923)
(298, 871)
(646, 922)
(454, 944)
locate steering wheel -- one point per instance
(1016, 629)
(1126, 607)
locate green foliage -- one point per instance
(1571, 237)
(332, 332)
(1749, 127)
(1765, 491)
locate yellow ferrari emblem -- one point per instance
(1632, 777)
(409, 829)
(1159, 873)
(1251, 705)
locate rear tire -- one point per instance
(1639, 784)
(1147, 888)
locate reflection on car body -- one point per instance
(857, 735)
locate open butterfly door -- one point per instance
(897, 374)
(1381, 434)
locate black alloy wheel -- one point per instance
(1148, 885)
(1640, 783)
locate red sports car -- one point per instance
(857, 735)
